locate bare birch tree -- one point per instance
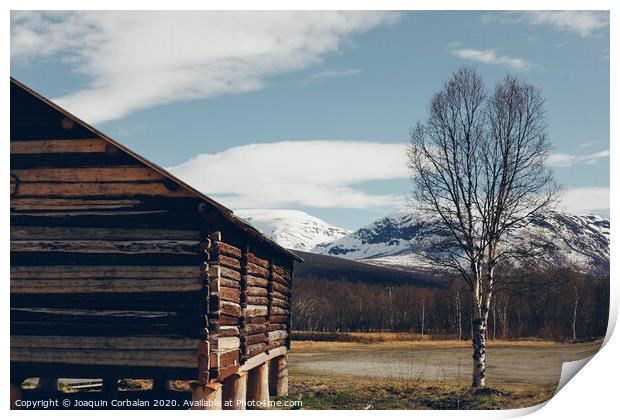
(478, 170)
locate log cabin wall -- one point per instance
(280, 305)
(242, 322)
(224, 307)
(105, 255)
(120, 270)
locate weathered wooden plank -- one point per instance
(69, 160)
(224, 282)
(59, 146)
(103, 272)
(85, 233)
(159, 358)
(279, 319)
(105, 329)
(230, 294)
(97, 189)
(255, 320)
(255, 349)
(276, 344)
(282, 303)
(277, 295)
(228, 331)
(249, 340)
(280, 288)
(282, 280)
(276, 327)
(256, 291)
(257, 300)
(277, 335)
(218, 320)
(230, 274)
(143, 203)
(254, 311)
(253, 281)
(222, 248)
(225, 261)
(58, 204)
(262, 358)
(224, 272)
(225, 358)
(257, 271)
(85, 258)
(86, 314)
(186, 304)
(251, 329)
(108, 247)
(229, 308)
(102, 343)
(275, 310)
(165, 216)
(224, 343)
(91, 174)
(257, 261)
(280, 271)
(14, 184)
(56, 286)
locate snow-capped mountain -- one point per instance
(292, 228)
(579, 241)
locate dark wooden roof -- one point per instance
(52, 121)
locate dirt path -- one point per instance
(539, 364)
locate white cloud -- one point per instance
(489, 56)
(564, 160)
(136, 60)
(306, 173)
(330, 74)
(585, 199)
(584, 23)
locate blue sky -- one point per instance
(311, 111)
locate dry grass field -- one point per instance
(408, 371)
(340, 392)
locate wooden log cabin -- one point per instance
(121, 270)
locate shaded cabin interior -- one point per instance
(120, 270)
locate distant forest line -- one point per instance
(551, 305)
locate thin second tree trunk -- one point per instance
(423, 307)
(458, 311)
(575, 314)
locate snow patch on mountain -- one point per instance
(292, 229)
(580, 241)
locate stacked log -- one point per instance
(224, 307)
(279, 307)
(102, 298)
(255, 304)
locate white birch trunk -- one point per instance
(479, 347)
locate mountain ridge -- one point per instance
(581, 241)
(293, 229)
